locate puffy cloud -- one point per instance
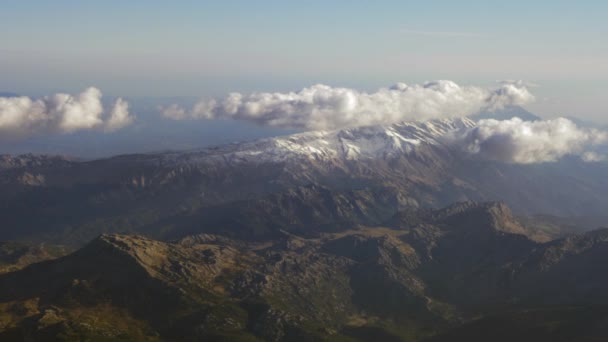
(119, 116)
(60, 113)
(525, 142)
(325, 107)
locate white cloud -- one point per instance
(524, 142)
(119, 116)
(592, 157)
(325, 107)
(175, 112)
(22, 117)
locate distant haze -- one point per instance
(276, 67)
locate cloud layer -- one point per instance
(325, 107)
(525, 142)
(22, 117)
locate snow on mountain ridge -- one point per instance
(352, 143)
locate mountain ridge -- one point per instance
(364, 175)
(298, 288)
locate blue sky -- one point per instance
(204, 48)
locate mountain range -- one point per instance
(427, 274)
(386, 232)
(363, 174)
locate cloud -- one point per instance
(525, 142)
(592, 157)
(22, 117)
(324, 107)
(119, 116)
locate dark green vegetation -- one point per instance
(468, 271)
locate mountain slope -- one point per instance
(506, 114)
(363, 174)
(364, 283)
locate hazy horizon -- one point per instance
(131, 72)
(206, 49)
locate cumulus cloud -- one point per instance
(60, 113)
(324, 107)
(525, 142)
(119, 116)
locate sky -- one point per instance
(145, 49)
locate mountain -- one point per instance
(506, 114)
(428, 274)
(304, 182)
(15, 256)
(368, 142)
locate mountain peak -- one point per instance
(465, 216)
(506, 113)
(495, 215)
(346, 144)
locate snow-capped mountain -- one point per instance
(365, 174)
(506, 114)
(368, 142)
